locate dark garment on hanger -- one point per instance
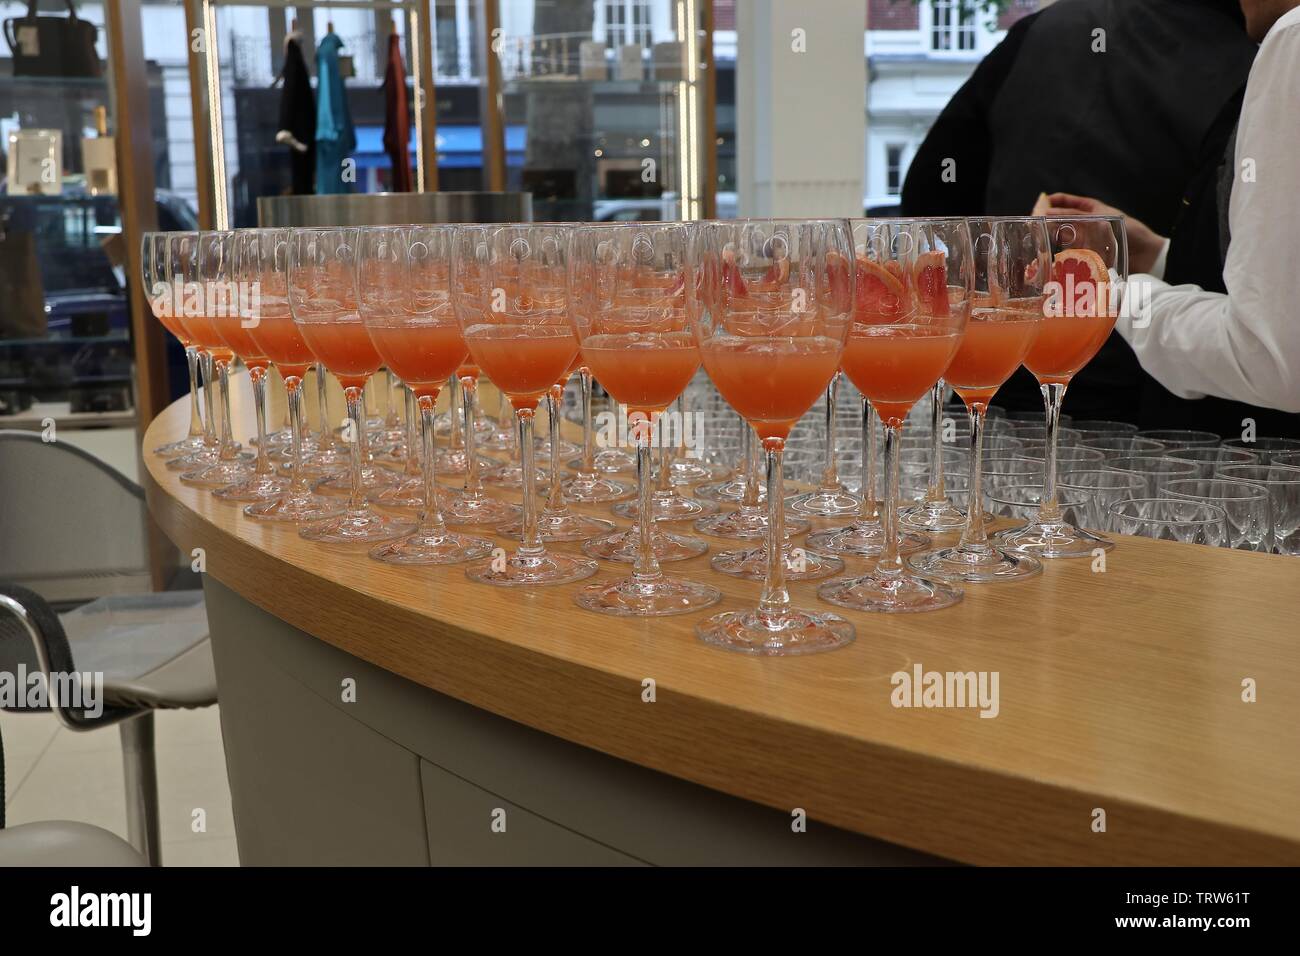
(298, 118)
(1049, 114)
(1198, 249)
(397, 118)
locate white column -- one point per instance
(801, 100)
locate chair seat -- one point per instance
(64, 843)
(152, 649)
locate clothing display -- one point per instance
(335, 138)
(397, 119)
(297, 128)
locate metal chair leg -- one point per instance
(141, 775)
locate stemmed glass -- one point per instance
(262, 257)
(1089, 270)
(771, 311)
(903, 340)
(666, 502)
(323, 456)
(627, 295)
(829, 499)
(936, 512)
(1011, 269)
(590, 486)
(749, 519)
(211, 265)
(162, 297)
(323, 300)
(404, 299)
(509, 293)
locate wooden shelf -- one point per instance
(1119, 691)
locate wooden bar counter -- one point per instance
(1148, 713)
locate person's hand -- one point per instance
(1144, 243)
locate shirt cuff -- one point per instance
(1158, 270)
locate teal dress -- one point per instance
(335, 137)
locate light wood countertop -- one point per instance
(1119, 691)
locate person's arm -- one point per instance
(1245, 345)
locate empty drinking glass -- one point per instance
(1246, 504)
(1121, 446)
(1171, 519)
(1181, 437)
(1103, 487)
(1157, 471)
(1208, 460)
(1283, 484)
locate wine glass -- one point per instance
(904, 336)
(589, 485)
(323, 301)
(1010, 264)
(404, 299)
(936, 512)
(1089, 269)
(162, 296)
(210, 265)
(830, 499)
(262, 257)
(627, 296)
(771, 307)
(509, 293)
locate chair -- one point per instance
(73, 535)
(60, 842)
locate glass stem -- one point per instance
(293, 389)
(647, 565)
(830, 476)
(1053, 396)
(532, 542)
(870, 506)
(356, 422)
(322, 393)
(209, 403)
(890, 563)
(936, 493)
(974, 535)
(588, 471)
(258, 378)
(664, 486)
(776, 597)
(413, 426)
(469, 390)
(555, 497)
(431, 523)
(390, 420)
(453, 407)
(196, 419)
(748, 468)
(223, 382)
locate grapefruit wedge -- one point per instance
(931, 273)
(1083, 282)
(880, 291)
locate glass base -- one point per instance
(593, 489)
(688, 473)
(408, 492)
(607, 461)
(624, 545)
(297, 508)
(935, 516)
(865, 539)
(456, 462)
(800, 564)
(1052, 539)
(745, 524)
(322, 463)
(178, 449)
(542, 447)
(445, 547)
(497, 439)
(278, 438)
(974, 565)
(666, 507)
(786, 634)
(647, 597)
(560, 526)
(478, 509)
(504, 476)
(254, 488)
(824, 504)
(206, 455)
(532, 570)
(895, 593)
(373, 478)
(356, 527)
(393, 455)
(224, 471)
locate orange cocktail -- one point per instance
(1067, 344)
(894, 366)
(422, 355)
(771, 381)
(645, 372)
(995, 344)
(526, 365)
(345, 348)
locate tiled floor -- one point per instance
(52, 773)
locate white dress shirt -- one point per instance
(1244, 345)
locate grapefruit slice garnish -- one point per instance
(931, 272)
(731, 277)
(1082, 281)
(880, 289)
